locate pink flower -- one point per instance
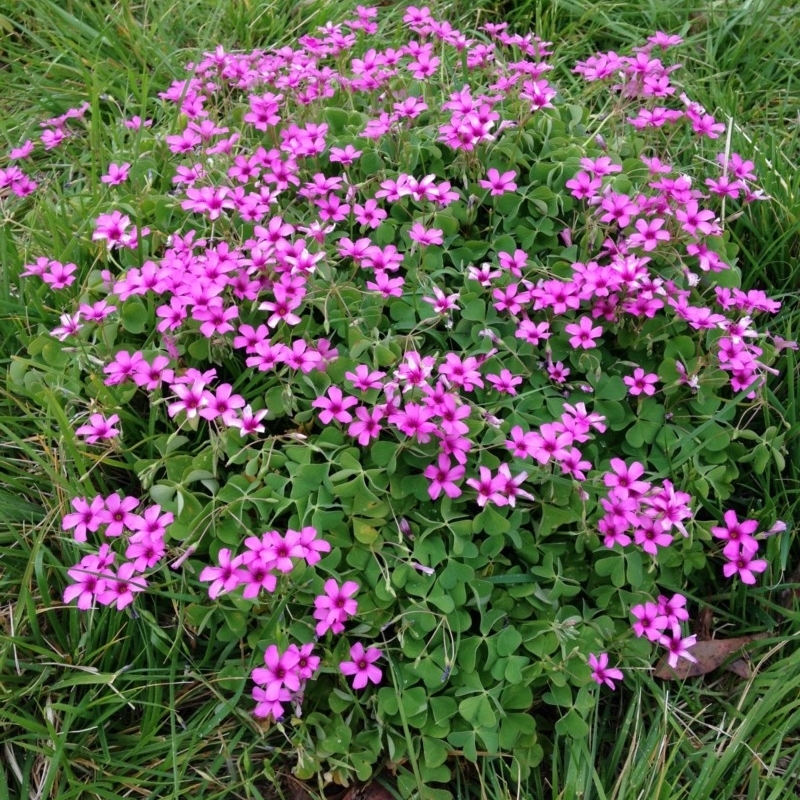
(650, 621)
(52, 138)
(505, 381)
(135, 123)
(649, 535)
(367, 427)
(99, 428)
(257, 576)
(425, 236)
(424, 65)
(694, 220)
(346, 155)
(499, 183)
(223, 405)
(249, 422)
(117, 515)
(123, 367)
(96, 312)
(113, 228)
(86, 517)
(673, 608)
(364, 378)
(533, 332)
(312, 546)
(120, 588)
(280, 550)
(89, 581)
(442, 303)
(601, 673)
(386, 286)
(191, 399)
(279, 670)
(58, 275)
(624, 479)
(145, 550)
(215, 318)
(269, 701)
(489, 488)
(153, 522)
(210, 200)
(335, 607)
(307, 664)
(678, 647)
(484, 274)
(362, 666)
(461, 372)
(736, 534)
(509, 485)
(583, 186)
(618, 208)
(664, 40)
(641, 383)
(226, 577)
(117, 173)
(648, 234)
(442, 478)
(600, 166)
(670, 507)
(745, 566)
(369, 214)
(414, 420)
(584, 333)
(551, 441)
(334, 406)
(24, 150)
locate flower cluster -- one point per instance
(259, 567)
(740, 548)
(140, 537)
(467, 309)
(265, 558)
(282, 679)
(636, 505)
(661, 622)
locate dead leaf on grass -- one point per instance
(370, 791)
(710, 655)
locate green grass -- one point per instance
(144, 707)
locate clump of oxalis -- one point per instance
(427, 372)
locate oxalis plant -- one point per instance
(432, 377)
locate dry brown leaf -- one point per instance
(703, 623)
(741, 668)
(710, 655)
(370, 791)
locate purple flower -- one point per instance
(498, 183)
(362, 666)
(678, 647)
(120, 587)
(334, 406)
(641, 383)
(226, 577)
(602, 673)
(333, 608)
(86, 517)
(443, 477)
(117, 173)
(117, 514)
(425, 236)
(98, 427)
